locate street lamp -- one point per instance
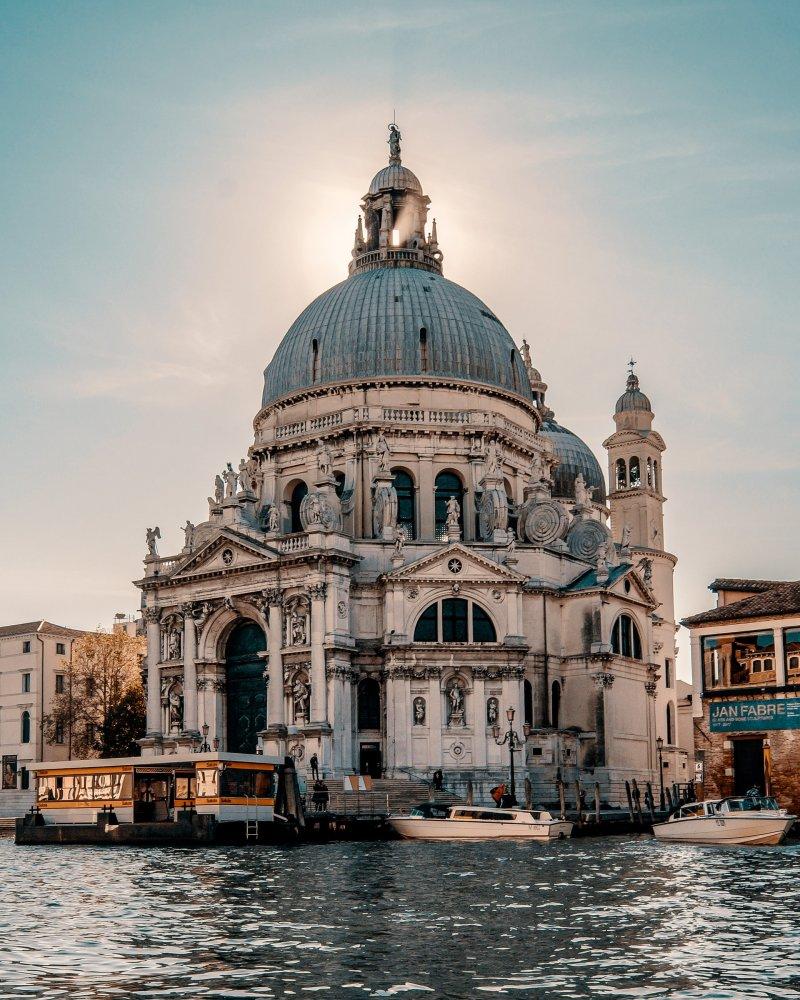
(204, 747)
(515, 744)
(659, 751)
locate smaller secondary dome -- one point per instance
(633, 398)
(395, 177)
(575, 456)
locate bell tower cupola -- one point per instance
(634, 470)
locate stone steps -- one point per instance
(402, 795)
(15, 803)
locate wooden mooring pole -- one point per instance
(637, 800)
(578, 801)
(650, 802)
(630, 801)
(597, 802)
(562, 800)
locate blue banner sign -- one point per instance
(770, 713)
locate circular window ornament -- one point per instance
(455, 565)
(227, 556)
(298, 751)
(457, 749)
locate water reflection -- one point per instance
(604, 918)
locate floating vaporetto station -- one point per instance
(193, 798)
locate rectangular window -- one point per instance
(737, 660)
(454, 620)
(60, 649)
(791, 651)
(26, 683)
(26, 646)
(668, 673)
(58, 736)
(59, 683)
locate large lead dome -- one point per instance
(395, 316)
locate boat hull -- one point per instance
(414, 828)
(734, 830)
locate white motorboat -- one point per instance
(751, 819)
(436, 822)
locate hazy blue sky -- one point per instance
(178, 180)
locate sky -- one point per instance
(178, 180)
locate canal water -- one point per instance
(613, 917)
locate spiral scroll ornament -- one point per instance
(585, 538)
(545, 521)
(493, 513)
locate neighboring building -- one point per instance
(746, 674)
(359, 559)
(32, 666)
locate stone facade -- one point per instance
(746, 697)
(407, 551)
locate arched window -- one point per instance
(427, 629)
(649, 473)
(527, 691)
(339, 477)
(423, 349)
(555, 704)
(482, 626)
(406, 510)
(625, 639)
(670, 727)
(454, 620)
(25, 735)
(298, 493)
(635, 476)
(622, 474)
(314, 360)
(455, 616)
(447, 485)
(369, 704)
(656, 477)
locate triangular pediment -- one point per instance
(225, 551)
(439, 566)
(638, 588)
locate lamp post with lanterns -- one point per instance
(515, 744)
(204, 747)
(660, 752)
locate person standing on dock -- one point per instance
(314, 764)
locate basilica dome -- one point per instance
(395, 322)
(574, 456)
(395, 317)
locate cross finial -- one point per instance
(631, 366)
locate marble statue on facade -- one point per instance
(494, 458)
(455, 698)
(399, 541)
(382, 452)
(297, 628)
(273, 518)
(453, 513)
(492, 711)
(175, 708)
(646, 566)
(151, 535)
(511, 544)
(626, 537)
(583, 493)
(231, 477)
(419, 711)
(300, 697)
(324, 459)
(394, 143)
(219, 489)
(189, 531)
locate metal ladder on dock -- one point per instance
(250, 823)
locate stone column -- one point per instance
(189, 672)
(426, 522)
(319, 689)
(275, 698)
(479, 719)
(153, 672)
(435, 717)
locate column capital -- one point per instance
(317, 591)
(151, 615)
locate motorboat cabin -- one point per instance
(197, 797)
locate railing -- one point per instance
(377, 258)
(294, 543)
(349, 804)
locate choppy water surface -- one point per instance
(609, 918)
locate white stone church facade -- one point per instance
(413, 545)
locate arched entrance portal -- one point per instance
(246, 689)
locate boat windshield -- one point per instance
(753, 803)
(430, 810)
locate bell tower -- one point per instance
(634, 471)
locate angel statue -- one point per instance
(399, 541)
(583, 493)
(151, 536)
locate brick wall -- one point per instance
(716, 751)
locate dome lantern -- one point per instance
(633, 409)
(395, 213)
